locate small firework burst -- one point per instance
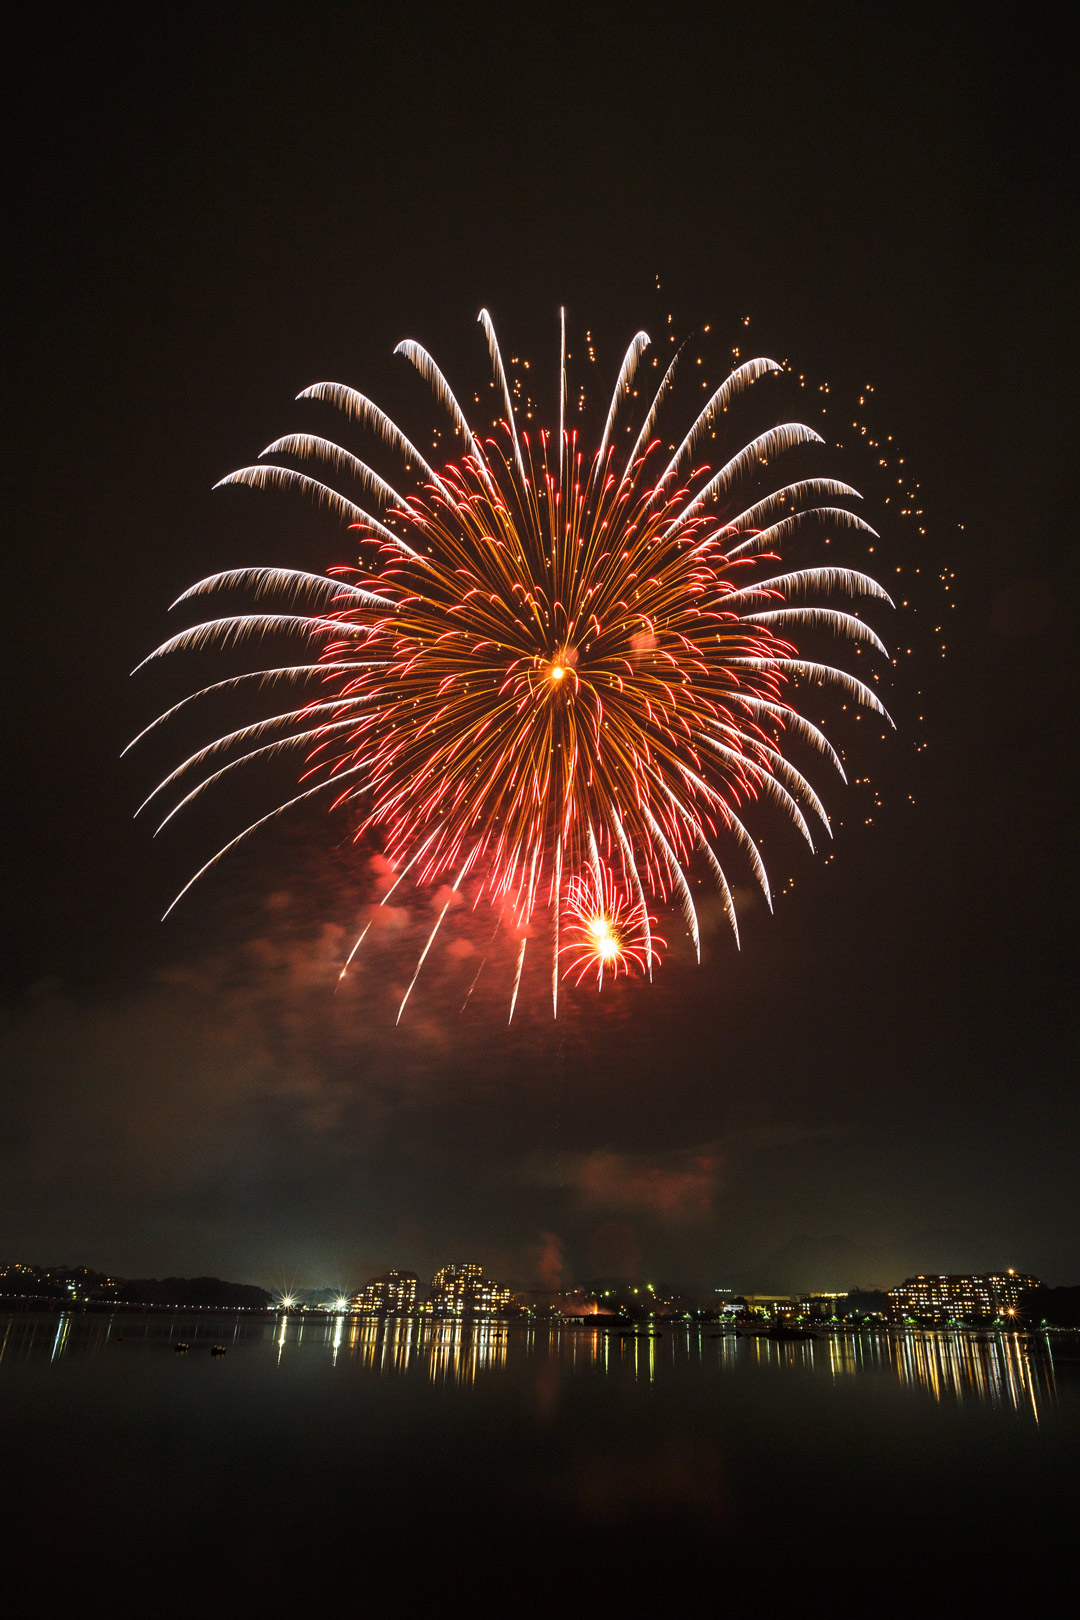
(605, 930)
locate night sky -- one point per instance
(216, 207)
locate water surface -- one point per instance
(522, 1468)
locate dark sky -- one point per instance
(215, 207)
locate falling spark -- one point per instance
(517, 979)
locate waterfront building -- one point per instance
(776, 1307)
(463, 1290)
(821, 1307)
(958, 1297)
(391, 1294)
(793, 1307)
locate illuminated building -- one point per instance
(392, 1294)
(956, 1297)
(793, 1307)
(465, 1291)
(822, 1305)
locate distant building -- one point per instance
(863, 1302)
(392, 1294)
(957, 1297)
(793, 1307)
(821, 1306)
(465, 1291)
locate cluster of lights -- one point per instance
(955, 1296)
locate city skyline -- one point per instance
(459, 1287)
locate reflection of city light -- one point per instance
(1000, 1370)
(458, 1351)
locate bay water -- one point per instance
(496, 1467)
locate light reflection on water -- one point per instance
(318, 1451)
(998, 1371)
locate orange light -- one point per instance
(604, 938)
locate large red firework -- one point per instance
(550, 675)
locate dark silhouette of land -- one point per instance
(79, 1285)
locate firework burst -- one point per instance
(554, 677)
(605, 931)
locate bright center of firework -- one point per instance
(604, 938)
(558, 671)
